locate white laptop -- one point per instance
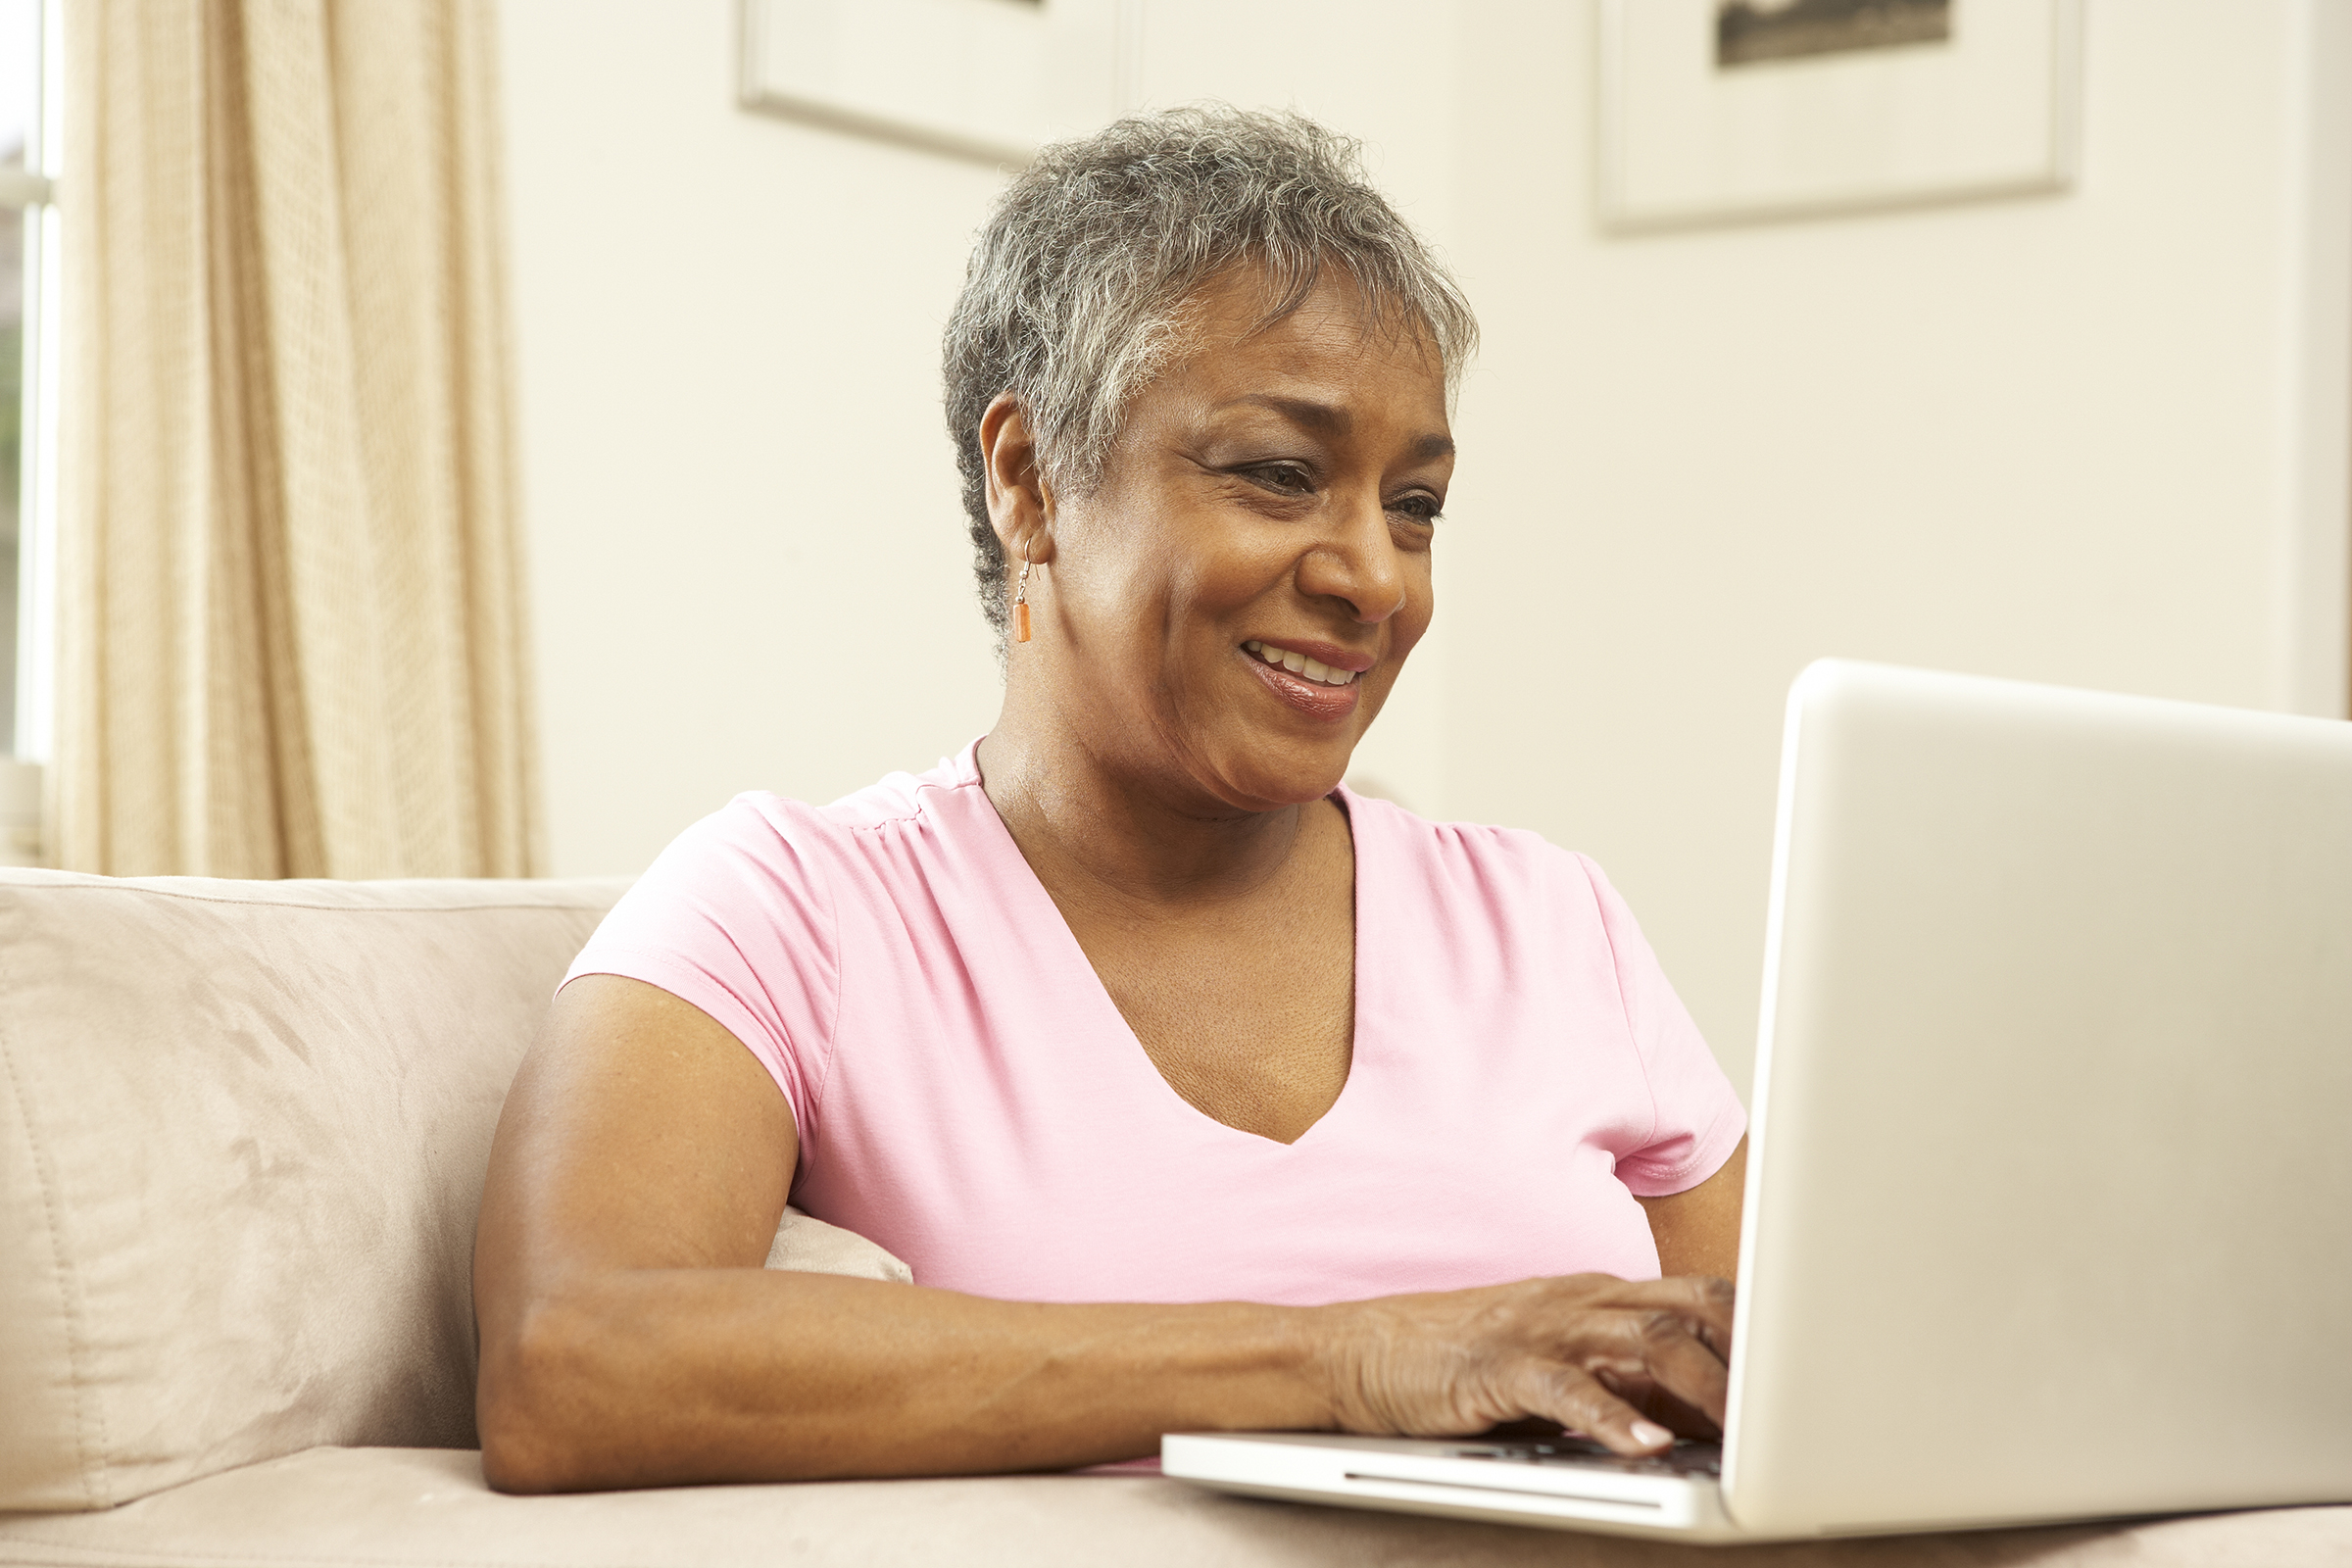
(2050, 1205)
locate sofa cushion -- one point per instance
(243, 1127)
(808, 1246)
(362, 1508)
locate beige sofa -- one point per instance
(242, 1132)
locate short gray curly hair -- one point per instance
(1076, 292)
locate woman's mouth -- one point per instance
(1318, 690)
(1299, 663)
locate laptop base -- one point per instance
(1467, 1478)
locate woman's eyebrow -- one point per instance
(1325, 419)
(1331, 419)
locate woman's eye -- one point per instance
(1287, 477)
(1421, 508)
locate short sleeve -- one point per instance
(736, 917)
(1697, 1118)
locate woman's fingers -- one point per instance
(1577, 1400)
(1605, 1356)
(1682, 1363)
(1626, 1350)
(1667, 1409)
(1656, 1350)
(1702, 1302)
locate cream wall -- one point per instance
(2096, 438)
(745, 539)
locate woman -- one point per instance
(1199, 1092)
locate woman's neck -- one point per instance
(1096, 827)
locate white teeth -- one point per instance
(1300, 664)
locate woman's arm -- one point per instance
(630, 1337)
(1697, 1230)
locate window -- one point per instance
(27, 408)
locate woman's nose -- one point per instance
(1357, 563)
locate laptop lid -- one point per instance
(2050, 1182)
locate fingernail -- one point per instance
(1651, 1435)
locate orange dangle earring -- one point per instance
(1020, 602)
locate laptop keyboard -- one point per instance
(1686, 1459)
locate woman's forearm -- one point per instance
(645, 1377)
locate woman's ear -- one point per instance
(1020, 504)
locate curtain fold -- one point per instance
(290, 575)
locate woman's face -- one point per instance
(1228, 609)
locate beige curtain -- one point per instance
(290, 590)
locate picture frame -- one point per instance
(991, 81)
(1716, 111)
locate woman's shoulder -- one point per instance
(934, 800)
(940, 797)
(1475, 853)
(765, 860)
(1507, 888)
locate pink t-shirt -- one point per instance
(968, 1095)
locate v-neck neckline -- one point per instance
(1113, 1022)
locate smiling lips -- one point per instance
(1299, 663)
(1318, 690)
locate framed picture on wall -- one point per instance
(1739, 111)
(986, 80)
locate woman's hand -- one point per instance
(1607, 1358)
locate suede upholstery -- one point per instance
(242, 1134)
